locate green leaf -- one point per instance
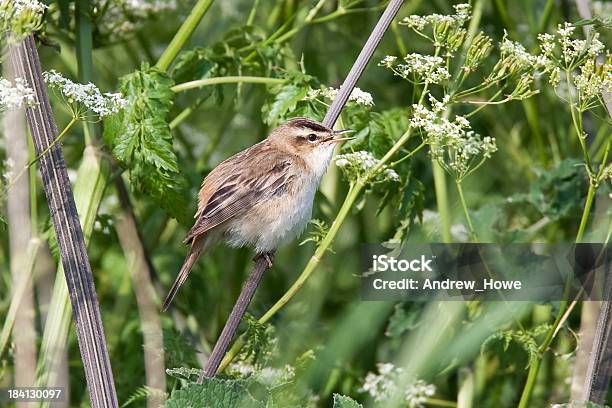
(287, 97)
(141, 140)
(413, 201)
(404, 318)
(285, 101)
(526, 339)
(341, 401)
(560, 192)
(214, 393)
(179, 352)
(143, 393)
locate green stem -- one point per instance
(183, 34)
(593, 180)
(84, 53)
(353, 193)
(226, 80)
(530, 383)
(184, 114)
(64, 132)
(465, 211)
(252, 13)
(409, 155)
(436, 402)
(546, 13)
(33, 191)
(586, 211)
(439, 178)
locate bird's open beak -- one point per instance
(342, 132)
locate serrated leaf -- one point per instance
(286, 97)
(141, 140)
(559, 192)
(179, 352)
(285, 101)
(214, 393)
(342, 401)
(404, 318)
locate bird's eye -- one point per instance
(311, 137)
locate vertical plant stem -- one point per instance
(586, 212)
(183, 34)
(439, 178)
(465, 211)
(17, 296)
(20, 234)
(84, 50)
(146, 298)
(86, 311)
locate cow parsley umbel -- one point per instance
(358, 96)
(361, 164)
(459, 150)
(391, 385)
(118, 20)
(85, 101)
(20, 18)
(15, 95)
(418, 68)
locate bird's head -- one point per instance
(307, 139)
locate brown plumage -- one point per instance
(262, 196)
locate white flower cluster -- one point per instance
(601, 8)
(267, 375)
(21, 17)
(85, 97)
(124, 17)
(520, 56)
(357, 95)
(515, 60)
(418, 23)
(577, 60)
(15, 96)
(479, 49)
(7, 175)
(424, 68)
(593, 79)
(27, 6)
(451, 143)
(389, 383)
(571, 50)
(357, 164)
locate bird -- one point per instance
(261, 197)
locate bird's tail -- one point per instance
(197, 247)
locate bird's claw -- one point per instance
(268, 256)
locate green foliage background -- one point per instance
(533, 190)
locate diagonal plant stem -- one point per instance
(226, 80)
(183, 34)
(355, 190)
(86, 312)
(257, 273)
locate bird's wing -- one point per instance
(237, 184)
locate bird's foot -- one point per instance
(268, 256)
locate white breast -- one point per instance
(279, 220)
